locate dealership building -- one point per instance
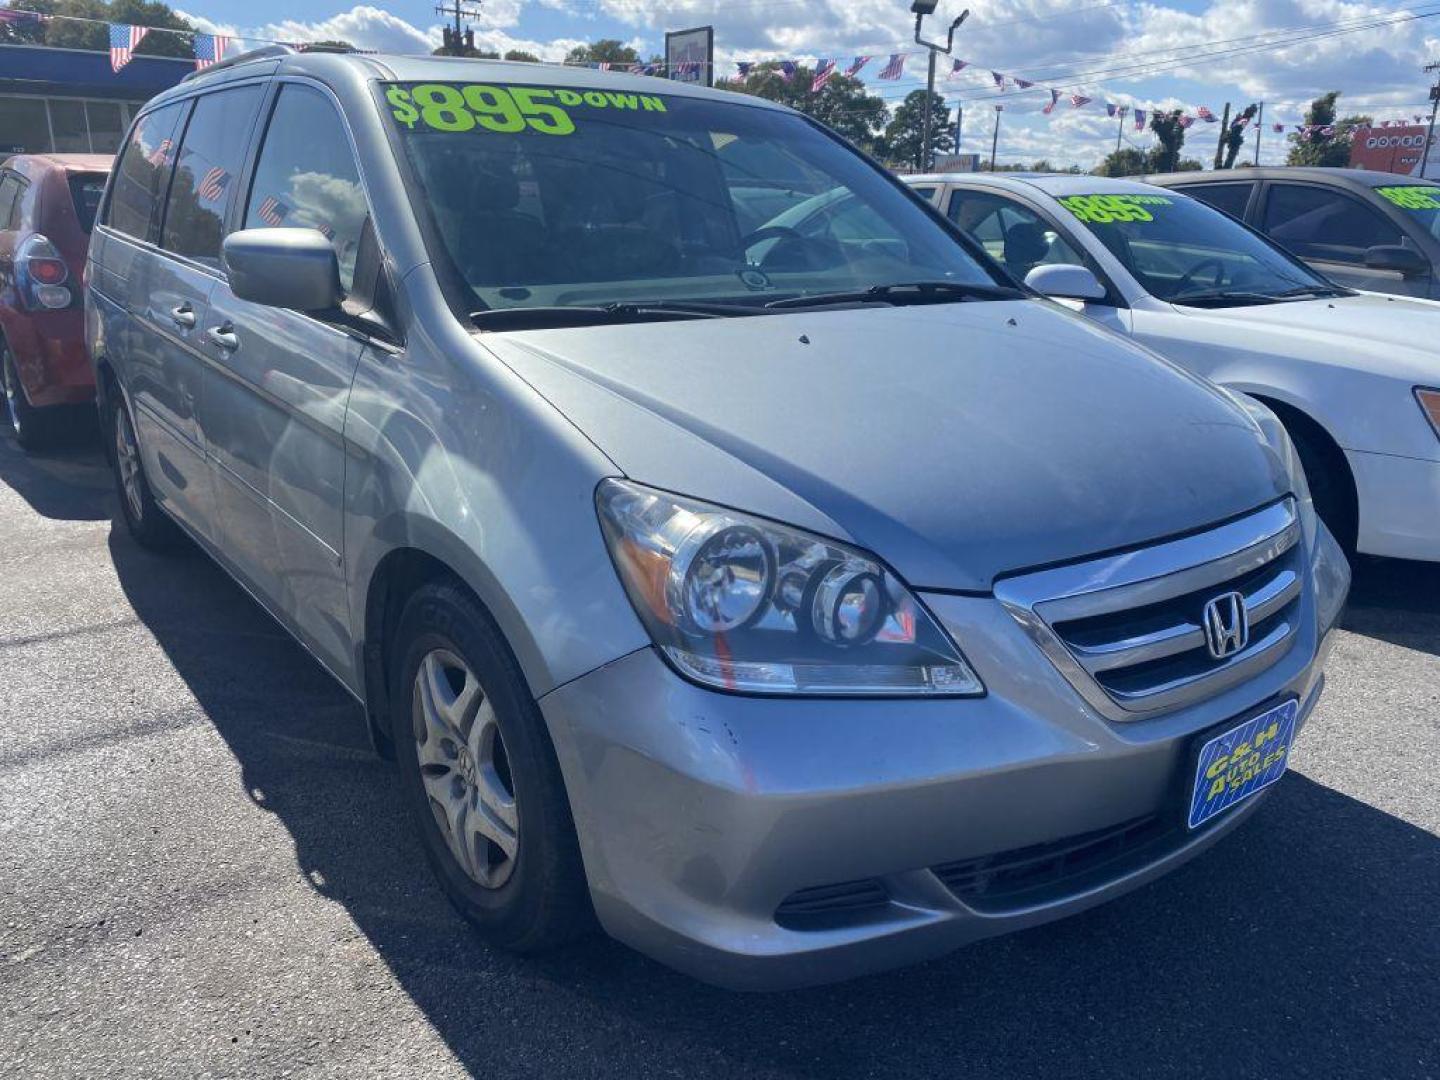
(69, 101)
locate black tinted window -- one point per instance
(206, 172)
(9, 199)
(1228, 197)
(142, 172)
(1317, 223)
(85, 192)
(306, 176)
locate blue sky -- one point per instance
(1181, 53)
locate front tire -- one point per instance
(33, 428)
(481, 778)
(150, 526)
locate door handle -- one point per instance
(224, 336)
(183, 316)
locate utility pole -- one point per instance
(959, 123)
(1259, 130)
(1430, 134)
(1220, 143)
(457, 43)
(995, 139)
(921, 8)
(1120, 131)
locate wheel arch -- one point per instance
(1301, 424)
(395, 576)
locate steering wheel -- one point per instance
(767, 232)
(1185, 282)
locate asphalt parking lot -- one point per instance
(203, 871)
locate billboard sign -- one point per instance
(1396, 149)
(690, 55)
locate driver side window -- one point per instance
(1011, 233)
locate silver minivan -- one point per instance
(795, 594)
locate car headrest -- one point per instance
(1025, 243)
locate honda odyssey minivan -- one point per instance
(797, 596)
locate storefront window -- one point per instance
(23, 128)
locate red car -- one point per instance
(47, 209)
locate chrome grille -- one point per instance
(1129, 632)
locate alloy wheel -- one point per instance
(465, 769)
(127, 461)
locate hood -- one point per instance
(1387, 335)
(956, 441)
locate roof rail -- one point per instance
(265, 52)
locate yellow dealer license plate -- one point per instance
(1247, 758)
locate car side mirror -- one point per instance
(1066, 282)
(284, 268)
(1401, 260)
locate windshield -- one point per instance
(551, 197)
(1419, 201)
(1183, 251)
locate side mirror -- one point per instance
(284, 268)
(1402, 260)
(1065, 282)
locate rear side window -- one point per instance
(1230, 198)
(9, 199)
(306, 176)
(1317, 223)
(142, 173)
(85, 192)
(206, 173)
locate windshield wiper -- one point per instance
(1316, 290)
(902, 293)
(1224, 297)
(563, 315)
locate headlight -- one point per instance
(739, 603)
(1430, 403)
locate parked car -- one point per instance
(47, 208)
(800, 608)
(1352, 375)
(1369, 230)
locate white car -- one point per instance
(1355, 376)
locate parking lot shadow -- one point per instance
(1305, 944)
(67, 483)
(1396, 601)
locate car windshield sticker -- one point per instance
(1104, 209)
(1412, 197)
(504, 109)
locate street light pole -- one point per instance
(1259, 130)
(995, 139)
(1430, 134)
(921, 8)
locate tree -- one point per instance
(521, 54)
(65, 33)
(842, 103)
(1234, 136)
(1127, 161)
(1170, 137)
(329, 43)
(604, 51)
(1313, 147)
(905, 134)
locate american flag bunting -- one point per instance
(895, 68)
(124, 39)
(856, 64)
(823, 70)
(210, 49)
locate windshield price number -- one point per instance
(1411, 198)
(503, 109)
(1105, 209)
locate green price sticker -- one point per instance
(1105, 209)
(1411, 197)
(503, 109)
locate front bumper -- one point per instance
(1399, 497)
(700, 813)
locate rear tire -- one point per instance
(34, 429)
(150, 526)
(481, 777)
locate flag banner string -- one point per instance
(211, 48)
